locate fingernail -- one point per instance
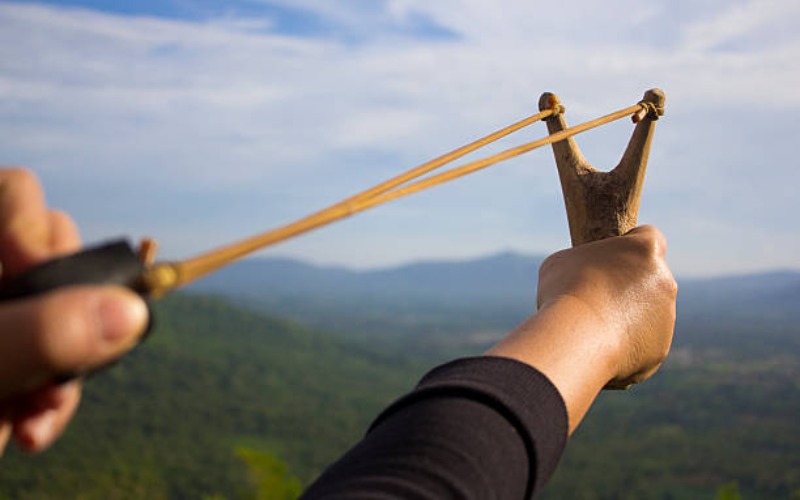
(39, 434)
(122, 315)
(43, 431)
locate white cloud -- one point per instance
(235, 107)
(753, 21)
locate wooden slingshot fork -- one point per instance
(603, 204)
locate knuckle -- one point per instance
(551, 262)
(650, 241)
(647, 245)
(667, 282)
(672, 287)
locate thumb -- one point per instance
(65, 331)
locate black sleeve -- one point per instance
(480, 428)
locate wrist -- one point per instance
(584, 333)
(567, 342)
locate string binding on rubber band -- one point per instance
(653, 111)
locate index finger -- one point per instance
(29, 232)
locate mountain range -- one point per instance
(483, 296)
(505, 276)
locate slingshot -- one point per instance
(599, 205)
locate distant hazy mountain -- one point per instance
(781, 287)
(427, 299)
(483, 296)
(503, 277)
(506, 276)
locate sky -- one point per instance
(200, 122)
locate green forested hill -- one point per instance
(213, 386)
(223, 403)
(708, 419)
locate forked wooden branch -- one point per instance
(603, 204)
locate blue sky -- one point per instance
(200, 122)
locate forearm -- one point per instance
(563, 342)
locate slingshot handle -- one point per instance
(112, 263)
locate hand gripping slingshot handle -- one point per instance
(604, 204)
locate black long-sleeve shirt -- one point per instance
(475, 428)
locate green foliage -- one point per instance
(692, 427)
(221, 402)
(270, 477)
(729, 491)
(164, 422)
